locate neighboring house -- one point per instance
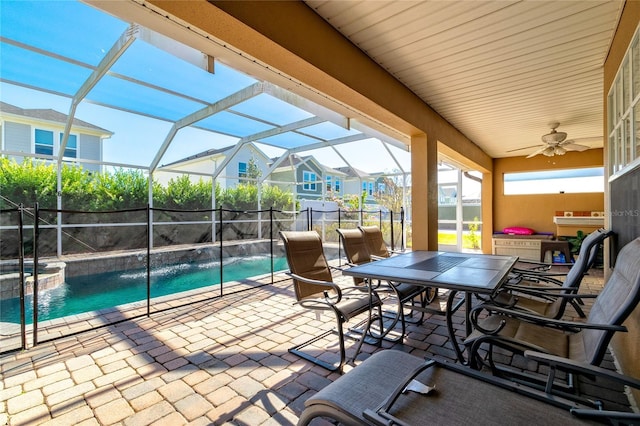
(307, 174)
(334, 181)
(39, 132)
(212, 163)
(304, 177)
(357, 182)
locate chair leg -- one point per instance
(297, 350)
(338, 330)
(367, 331)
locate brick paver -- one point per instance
(222, 361)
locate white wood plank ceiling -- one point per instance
(499, 71)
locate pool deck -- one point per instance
(222, 361)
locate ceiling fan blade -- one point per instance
(592, 139)
(539, 151)
(520, 149)
(574, 146)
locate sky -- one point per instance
(85, 35)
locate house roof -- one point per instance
(296, 160)
(213, 153)
(353, 172)
(200, 155)
(49, 115)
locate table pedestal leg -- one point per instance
(451, 309)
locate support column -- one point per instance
(487, 211)
(424, 192)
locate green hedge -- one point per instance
(36, 181)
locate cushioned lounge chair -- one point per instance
(583, 342)
(315, 290)
(372, 394)
(538, 293)
(355, 248)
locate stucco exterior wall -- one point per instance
(537, 211)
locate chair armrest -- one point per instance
(334, 286)
(554, 292)
(342, 267)
(581, 368)
(542, 278)
(614, 417)
(540, 320)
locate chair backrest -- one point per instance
(588, 253)
(354, 248)
(306, 258)
(593, 255)
(374, 241)
(586, 258)
(616, 301)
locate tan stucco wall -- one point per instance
(537, 211)
(626, 346)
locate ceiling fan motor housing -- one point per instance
(554, 137)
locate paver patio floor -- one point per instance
(222, 361)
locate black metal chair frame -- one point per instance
(618, 299)
(329, 297)
(546, 288)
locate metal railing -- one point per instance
(147, 241)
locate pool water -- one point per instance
(107, 290)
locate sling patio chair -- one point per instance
(392, 387)
(538, 293)
(583, 342)
(377, 248)
(406, 295)
(315, 290)
(375, 243)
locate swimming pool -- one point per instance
(106, 290)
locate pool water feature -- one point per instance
(106, 290)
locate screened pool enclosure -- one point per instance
(125, 147)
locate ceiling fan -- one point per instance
(555, 143)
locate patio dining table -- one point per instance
(470, 273)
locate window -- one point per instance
(309, 181)
(623, 112)
(337, 185)
(242, 170)
(44, 142)
(71, 150)
(329, 183)
(370, 188)
(381, 187)
(555, 181)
